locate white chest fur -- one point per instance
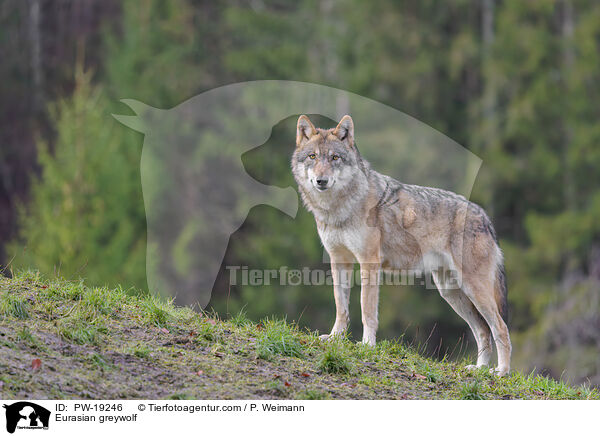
(350, 237)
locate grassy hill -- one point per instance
(62, 340)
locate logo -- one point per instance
(26, 415)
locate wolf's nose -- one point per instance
(322, 182)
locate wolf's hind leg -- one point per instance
(481, 295)
(461, 304)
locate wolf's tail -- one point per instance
(501, 291)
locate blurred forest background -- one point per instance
(517, 83)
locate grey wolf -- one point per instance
(381, 223)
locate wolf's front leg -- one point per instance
(341, 274)
(369, 300)
(341, 271)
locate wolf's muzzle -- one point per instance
(322, 184)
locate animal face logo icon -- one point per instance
(24, 414)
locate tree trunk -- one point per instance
(36, 54)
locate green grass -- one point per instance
(107, 343)
(471, 391)
(142, 351)
(335, 359)
(278, 338)
(14, 306)
(181, 396)
(157, 311)
(209, 332)
(240, 320)
(25, 336)
(80, 331)
(313, 394)
(100, 361)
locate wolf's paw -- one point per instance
(475, 367)
(334, 334)
(331, 336)
(368, 342)
(500, 372)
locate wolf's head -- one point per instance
(325, 160)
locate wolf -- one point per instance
(383, 224)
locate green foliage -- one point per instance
(79, 331)
(278, 338)
(13, 305)
(240, 319)
(100, 361)
(431, 373)
(25, 335)
(335, 359)
(158, 312)
(313, 394)
(142, 351)
(471, 391)
(209, 331)
(181, 396)
(76, 214)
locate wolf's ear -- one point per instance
(345, 130)
(304, 130)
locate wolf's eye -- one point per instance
(335, 157)
(312, 155)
